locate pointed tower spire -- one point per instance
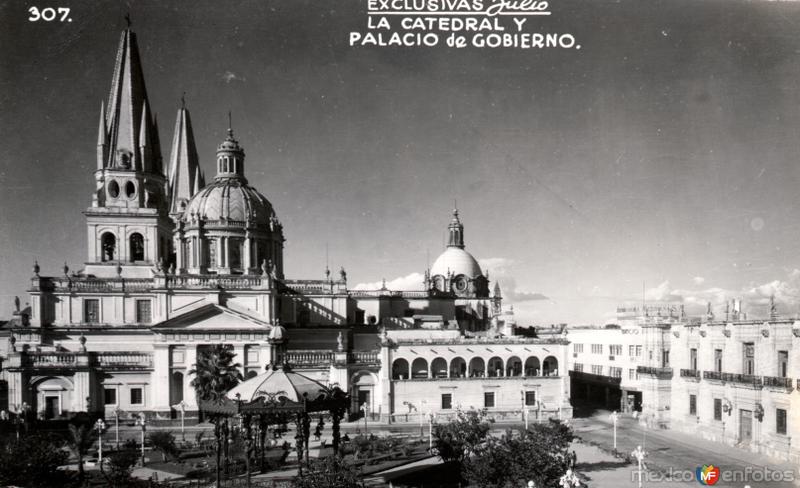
(456, 230)
(145, 145)
(184, 171)
(102, 137)
(127, 114)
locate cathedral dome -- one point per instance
(456, 261)
(230, 199)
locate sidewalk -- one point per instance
(600, 469)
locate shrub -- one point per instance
(460, 437)
(165, 442)
(32, 461)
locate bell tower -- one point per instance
(129, 229)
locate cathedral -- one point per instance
(176, 264)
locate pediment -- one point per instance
(212, 317)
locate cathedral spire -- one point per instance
(184, 174)
(128, 113)
(102, 137)
(456, 229)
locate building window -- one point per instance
(665, 358)
(597, 369)
(615, 349)
(749, 358)
(137, 396)
(718, 360)
(692, 404)
(136, 247)
(144, 314)
(632, 375)
(597, 349)
(488, 399)
(178, 355)
(108, 247)
(91, 310)
(717, 409)
(252, 355)
(447, 401)
(693, 359)
(579, 367)
(530, 398)
(631, 350)
(780, 421)
(638, 351)
(783, 363)
(109, 396)
(615, 372)
(577, 348)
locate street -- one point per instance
(679, 454)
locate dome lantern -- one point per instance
(230, 157)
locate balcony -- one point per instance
(742, 379)
(50, 360)
(309, 358)
(778, 382)
(123, 360)
(660, 373)
(691, 374)
(712, 375)
(364, 357)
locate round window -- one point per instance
(130, 189)
(113, 189)
(461, 283)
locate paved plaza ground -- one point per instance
(671, 461)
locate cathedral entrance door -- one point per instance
(51, 407)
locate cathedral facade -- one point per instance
(176, 264)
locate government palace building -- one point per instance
(177, 262)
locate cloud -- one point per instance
(230, 76)
(500, 270)
(755, 297)
(698, 280)
(411, 282)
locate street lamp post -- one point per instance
(430, 432)
(614, 417)
(526, 413)
(182, 407)
(364, 409)
(639, 454)
(117, 412)
(143, 424)
(100, 426)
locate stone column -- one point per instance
(188, 391)
(160, 378)
(240, 358)
(384, 386)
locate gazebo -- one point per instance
(280, 393)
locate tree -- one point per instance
(458, 438)
(79, 441)
(164, 442)
(330, 472)
(540, 453)
(214, 374)
(120, 466)
(33, 461)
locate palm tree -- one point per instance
(79, 442)
(214, 374)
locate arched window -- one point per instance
(439, 368)
(458, 368)
(137, 247)
(495, 367)
(550, 366)
(176, 388)
(108, 243)
(532, 366)
(514, 366)
(477, 367)
(419, 368)
(400, 369)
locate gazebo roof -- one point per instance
(277, 383)
(279, 389)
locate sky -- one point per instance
(659, 161)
